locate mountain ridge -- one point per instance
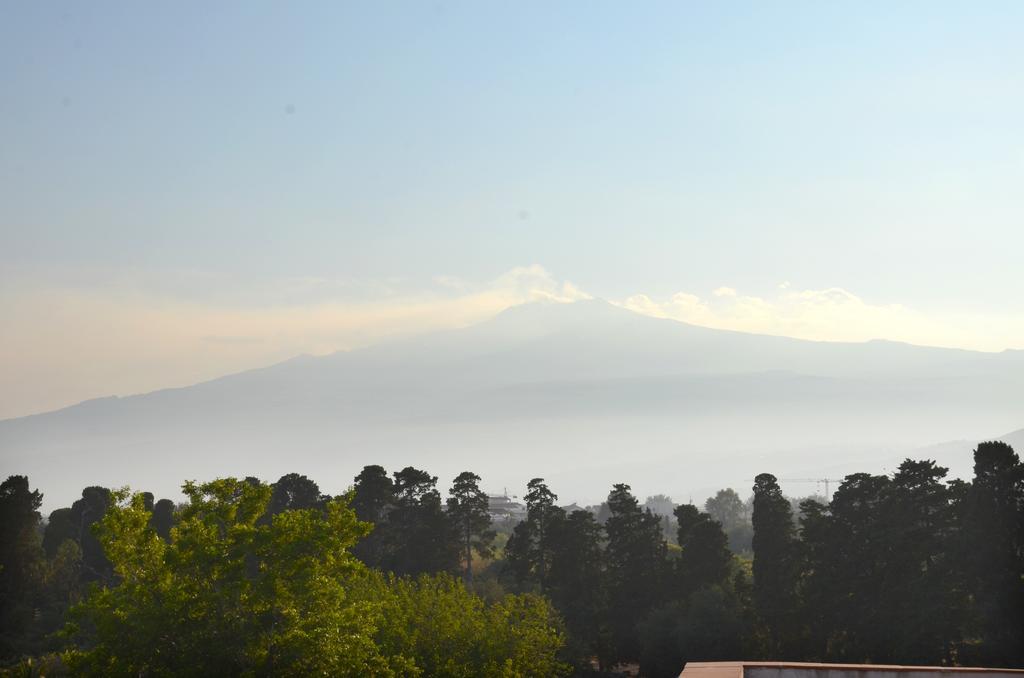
(551, 310)
(536, 390)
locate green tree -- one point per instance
(708, 627)
(468, 510)
(846, 567)
(920, 588)
(817, 586)
(163, 518)
(448, 632)
(879, 583)
(775, 565)
(294, 491)
(662, 506)
(529, 548)
(21, 558)
(704, 559)
(993, 555)
(75, 523)
(636, 566)
(374, 494)
(727, 508)
(577, 587)
(59, 527)
(60, 588)
(372, 500)
(421, 536)
(231, 594)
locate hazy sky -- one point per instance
(196, 188)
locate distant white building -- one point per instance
(502, 507)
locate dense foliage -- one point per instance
(390, 579)
(236, 590)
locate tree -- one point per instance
(447, 631)
(704, 560)
(818, 584)
(733, 513)
(21, 556)
(163, 518)
(601, 512)
(75, 523)
(636, 565)
(61, 588)
(775, 566)
(662, 506)
(228, 594)
(920, 588)
(727, 508)
(709, 627)
(60, 526)
(576, 584)
(848, 567)
(294, 491)
(374, 494)
(373, 498)
(993, 557)
(421, 537)
(879, 583)
(232, 594)
(529, 547)
(468, 510)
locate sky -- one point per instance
(193, 189)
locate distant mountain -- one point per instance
(1014, 440)
(585, 394)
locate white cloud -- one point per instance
(833, 314)
(120, 334)
(533, 283)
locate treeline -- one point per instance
(908, 568)
(243, 579)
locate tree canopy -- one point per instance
(232, 594)
(254, 578)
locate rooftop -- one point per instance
(757, 669)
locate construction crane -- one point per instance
(827, 482)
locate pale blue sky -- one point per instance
(630, 148)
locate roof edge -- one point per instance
(848, 667)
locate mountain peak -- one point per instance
(556, 316)
(555, 386)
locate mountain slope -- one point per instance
(541, 389)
